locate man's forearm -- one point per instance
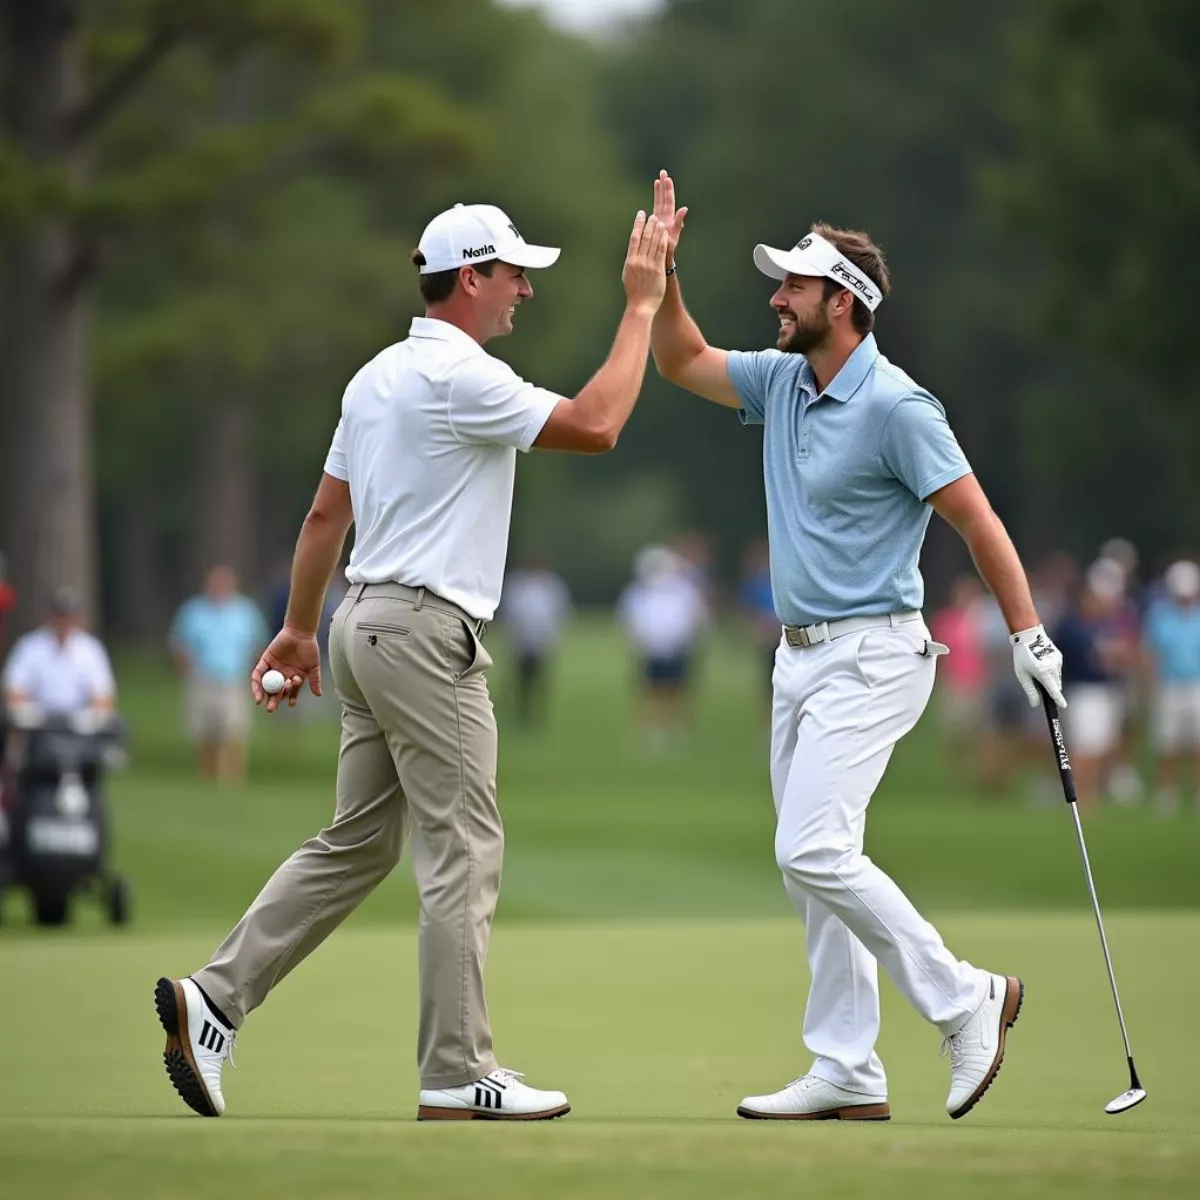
(1000, 568)
(606, 401)
(317, 552)
(676, 338)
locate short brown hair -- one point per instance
(857, 246)
(438, 285)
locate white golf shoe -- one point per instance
(198, 1043)
(977, 1049)
(811, 1099)
(498, 1096)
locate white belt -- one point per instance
(802, 636)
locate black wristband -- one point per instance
(670, 270)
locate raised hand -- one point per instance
(644, 276)
(671, 217)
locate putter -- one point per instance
(1136, 1093)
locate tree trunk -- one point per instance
(48, 526)
(226, 517)
(142, 609)
(226, 511)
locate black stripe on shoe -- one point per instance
(177, 1057)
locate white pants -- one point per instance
(839, 709)
(1176, 718)
(1093, 719)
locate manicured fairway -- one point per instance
(656, 1029)
(645, 960)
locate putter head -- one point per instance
(1125, 1101)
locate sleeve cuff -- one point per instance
(537, 421)
(946, 477)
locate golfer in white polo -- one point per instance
(856, 456)
(422, 462)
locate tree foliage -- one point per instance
(233, 188)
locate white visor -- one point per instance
(816, 256)
(475, 233)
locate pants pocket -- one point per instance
(473, 652)
(374, 630)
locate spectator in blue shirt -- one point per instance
(215, 639)
(1173, 657)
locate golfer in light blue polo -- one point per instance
(856, 456)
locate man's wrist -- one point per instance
(297, 629)
(1027, 633)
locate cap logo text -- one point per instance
(478, 251)
(851, 281)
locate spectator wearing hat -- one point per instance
(1172, 646)
(59, 669)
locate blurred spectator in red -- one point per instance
(8, 597)
(1005, 722)
(962, 678)
(1173, 660)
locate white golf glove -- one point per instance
(1037, 660)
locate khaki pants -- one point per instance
(418, 748)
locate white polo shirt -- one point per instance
(427, 441)
(60, 678)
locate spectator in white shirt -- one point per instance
(59, 668)
(663, 612)
(535, 605)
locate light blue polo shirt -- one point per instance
(222, 640)
(847, 473)
(1173, 634)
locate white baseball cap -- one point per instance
(815, 255)
(1106, 577)
(1182, 580)
(475, 233)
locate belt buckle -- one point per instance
(797, 636)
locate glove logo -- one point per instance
(1041, 647)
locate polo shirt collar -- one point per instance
(854, 370)
(441, 331)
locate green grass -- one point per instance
(645, 959)
(656, 1029)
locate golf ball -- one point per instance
(273, 682)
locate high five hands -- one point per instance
(645, 272)
(672, 218)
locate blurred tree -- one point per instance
(248, 326)
(871, 115)
(1104, 181)
(78, 183)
